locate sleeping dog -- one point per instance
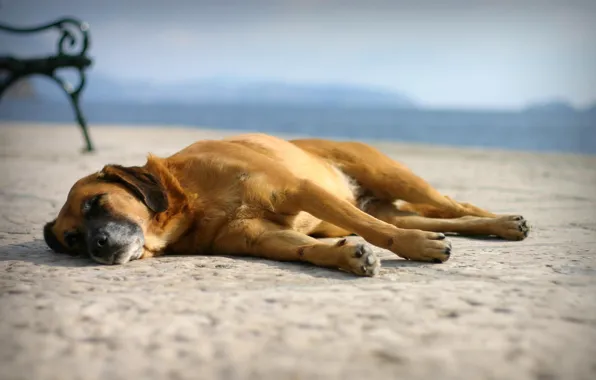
(262, 196)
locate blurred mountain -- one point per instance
(22, 89)
(552, 106)
(104, 89)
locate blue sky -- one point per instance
(451, 53)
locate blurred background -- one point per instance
(503, 74)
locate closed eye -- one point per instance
(92, 206)
(72, 239)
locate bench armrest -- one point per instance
(74, 36)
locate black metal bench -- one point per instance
(72, 54)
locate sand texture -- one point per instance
(496, 310)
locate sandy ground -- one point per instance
(496, 310)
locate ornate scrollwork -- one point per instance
(73, 33)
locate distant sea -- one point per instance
(573, 132)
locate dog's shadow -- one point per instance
(38, 253)
(475, 237)
(302, 268)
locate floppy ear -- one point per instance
(50, 238)
(142, 183)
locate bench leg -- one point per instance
(74, 97)
(74, 100)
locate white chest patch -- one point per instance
(350, 183)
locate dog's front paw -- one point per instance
(420, 245)
(362, 260)
(511, 227)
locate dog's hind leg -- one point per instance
(411, 244)
(507, 227)
(265, 239)
(441, 212)
(388, 180)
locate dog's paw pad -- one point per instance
(512, 227)
(423, 246)
(364, 261)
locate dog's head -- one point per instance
(107, 214)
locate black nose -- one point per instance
(101, 245)
(101, 240)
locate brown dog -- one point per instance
(262, 196)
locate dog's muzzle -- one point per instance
(114, 241)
